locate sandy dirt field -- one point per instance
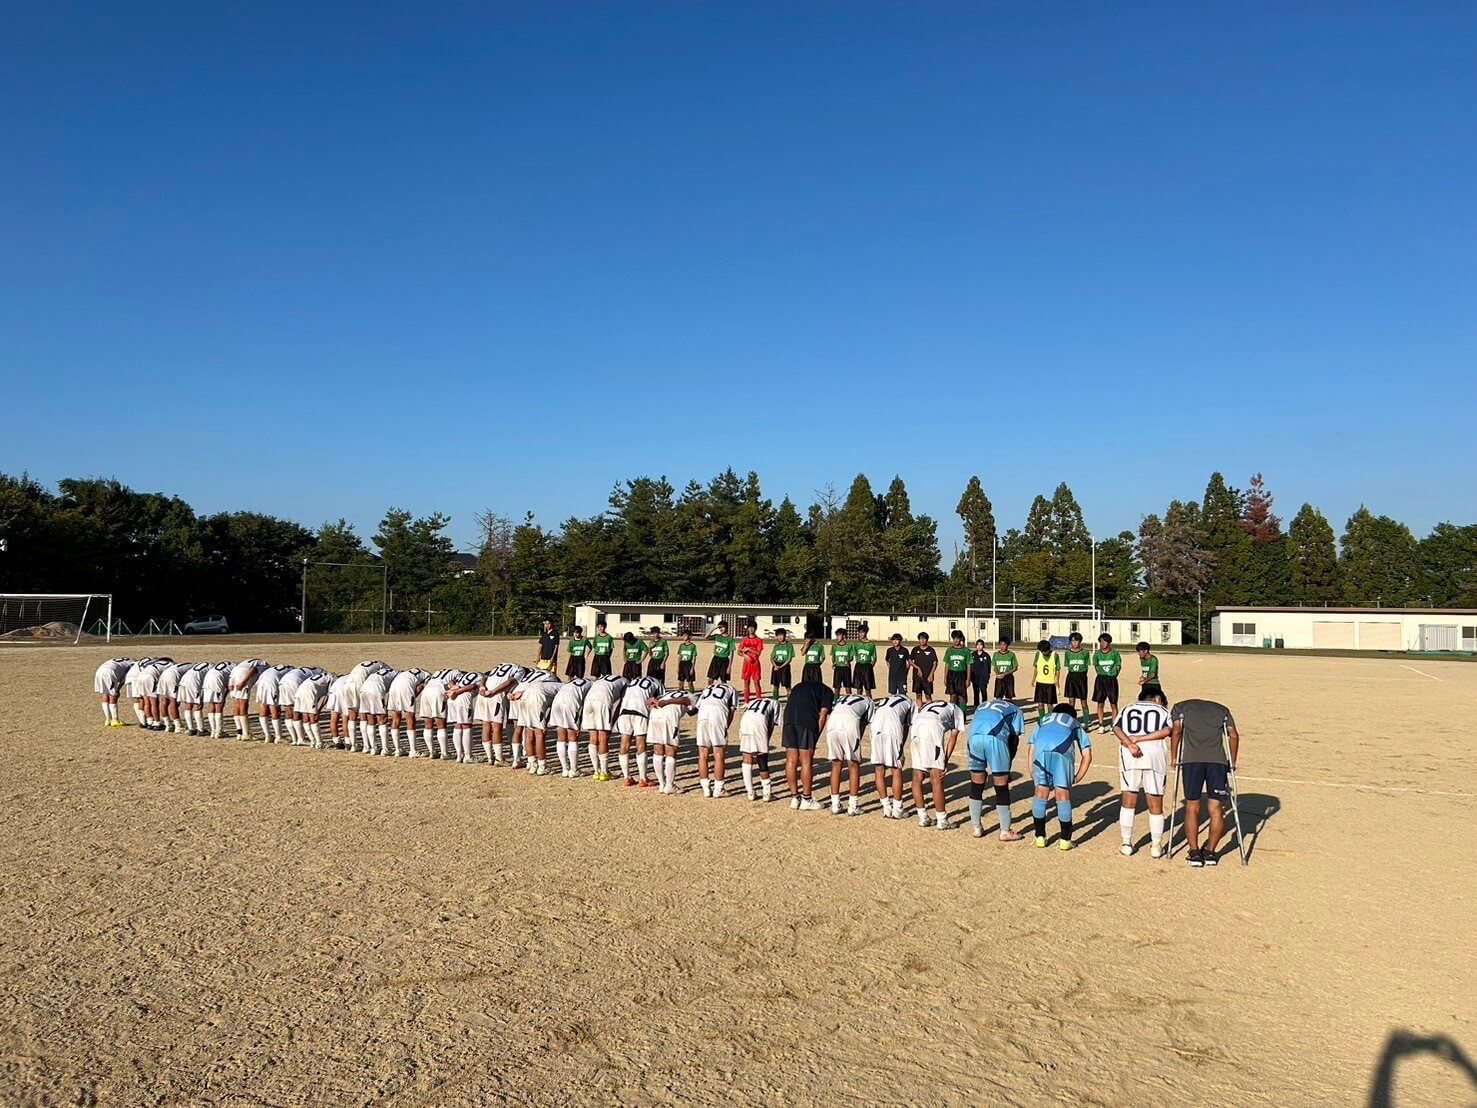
(191, 922)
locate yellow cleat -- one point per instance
(1040, 842)
(1065, 844)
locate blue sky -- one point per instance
(318, 259)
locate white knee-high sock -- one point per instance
(1125, 824)
(441, 740)
(217, 725)
(427, 735)
(384, 730)
(669, 766)
(1156, 827)
(641, 764)
(138, 710)
(594, 752)
(748, 771)
(625, 761)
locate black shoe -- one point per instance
(1208, 857)
(1196, 858)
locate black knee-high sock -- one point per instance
(1002, 796)
(763, 760)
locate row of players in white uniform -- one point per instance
(375, 709)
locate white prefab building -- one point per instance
(675, 617)
(938, 628)
(1426, 629)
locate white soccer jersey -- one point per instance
(568, 704)
(217, 683)
(432, 701)
(287, 686)
(130, 679)
(312, 693)
(1150, 770)
(666, 724)
(373, 691)
(244, 675)
(891, 718)
(1143, 717)
(504, 678)
(110, 675)
(168, 682)
(266, 684)
(844, 725)
(357, 675)
(338, 694)
(931, 726)
(859, 707)
(601, 701)
(715, 707)
(538, 696)
(639, 694)
(756, 725)
(403, 689)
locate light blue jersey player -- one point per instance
(1054, 747)
(994, 734)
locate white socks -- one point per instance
(1125, 824)
(669, 773)
(594, 752)
(217, 725)
(748, 770)
(641, 764)
(441, 741)
(1156, 827)
(625, 760)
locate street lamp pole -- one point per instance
(1094, 575)
(303, 614)
(826, 609)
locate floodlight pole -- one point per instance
(303, 612)
(994, 550)
(1094, 572)
(385, 606)
(108, 631)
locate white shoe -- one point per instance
(795, 802)
(853, 808)
(768, 794)
(809, 806)
(835, 805)
(942, 823)
(1126, 850)
(703, 783)
(1156, 850)
(978, 831)
(922, 817)
(749, 789)
(717, 790)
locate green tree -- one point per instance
(1228, 544)
(1313, 567)
(978, 516)
(1449, 565)
(417, 554)
(1379, 561)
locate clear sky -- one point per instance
(317, 259)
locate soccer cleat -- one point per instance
(977, 831)
(749, 790)
(645, 784)
(768, 793)
(630, 782)
(1040, 842)
(1011, 836)
(703, 784)
(599, 776)
(835, 805)
(1064, 844)
(853, 808)
(1126, 850)
(717, 790)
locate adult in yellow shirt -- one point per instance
(1048, 679)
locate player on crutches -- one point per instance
(1201, 732)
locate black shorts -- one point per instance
(1210, 778)
(956, 682)
(795, 738)
(897, 683)
(1045, 694)
(631, 671)
(1076, 686)
(1005, 686)
(718, 669)
(841, 677)
(575, 667)
(863, 677)
(686, 671)
(811, 671)
(779, 676)
(1105, 690)
(922, 686)
(657, 667)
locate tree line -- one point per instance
(719, 541)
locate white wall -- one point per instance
(1329, 628)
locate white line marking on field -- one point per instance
(1422, 672)
(1352, 785)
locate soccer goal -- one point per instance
(46, 617)
(1034, 622)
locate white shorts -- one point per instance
(632, 725)
(242, 694)
(266, 693)
(212, 695)
(432, 704)
(926, 752)
(147, 683)
(188, 692)
(400, 700)
(1148, 772)
(168, 684)
(666, 729)
(596, 716)
(844, 737)
(753, 734)
(459, 708)
(887, 746)
(563, 716)
(371, 701)
(285, 693)
(306, 700)
(488, 709)
(106, 682)
(338, 700)
(711, 732)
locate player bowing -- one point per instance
(849, 716)
(564, 718)
(633, 724)
(1143, 730)
(107, 682)
(714, 714)
(597, 717)
(935, 733)
(891, 718)
(665, 735)
(994, 734)
(756, 727)
(1054, 746)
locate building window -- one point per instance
(1076, 626)
(953, 625)
(1243, 628)
(630, 617)
(775, 617)
(1133, 630)
(669, 617)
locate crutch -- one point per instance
(1235, 807)
(1174, 802)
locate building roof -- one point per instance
(1229, 608)
(468, 562)
(697, 605)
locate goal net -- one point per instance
(53, 617)
(344, 597)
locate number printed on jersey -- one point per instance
(1138, 720)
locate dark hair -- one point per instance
(578, 630)
(1105, 637)
(1002, 641)
(979, 642)
(782, 631)
(601, 623)
(628, 637)
(897, 636)
(957, 635)
(865, 628)
(1044, 646)
(723, 623)
(1156, 694)
(841, 631)
(1143, 646)
(1065, 709)
(1075, 636)
(923, 635)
